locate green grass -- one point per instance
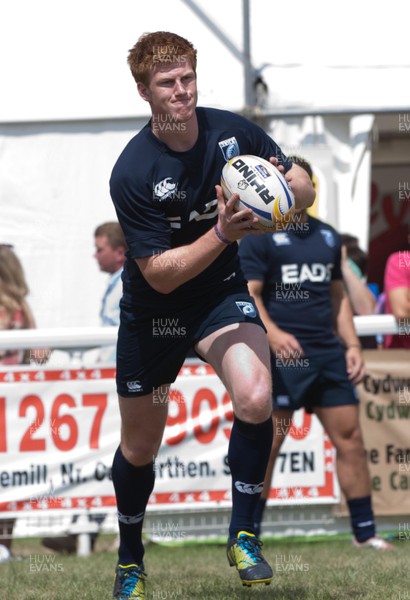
(327, 570)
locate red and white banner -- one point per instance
(59, 430)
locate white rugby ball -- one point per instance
(261, 187)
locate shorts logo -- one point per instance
(249, 488)
(229, 148)
(134, 386)
(247, 308)
(282, 400)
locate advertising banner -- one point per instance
(385, 420)
(59, 430)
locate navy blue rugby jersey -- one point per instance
(297, 266)
(165, 199)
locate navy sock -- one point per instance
(361, 518)
(248, 456)
(258, 515)
(133, 487)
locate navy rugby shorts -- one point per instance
(320, 380)
(151, 349)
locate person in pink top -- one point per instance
(397, 292)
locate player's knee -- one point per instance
(139, 453)
(356, 440)
(255, 402)
(351, 441)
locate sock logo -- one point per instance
(249, 488)
(132, 520)
(365, 524)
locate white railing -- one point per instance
(61, 337)
(92, 337)
(75, 340)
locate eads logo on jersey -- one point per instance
(315, 272)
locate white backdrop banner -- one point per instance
(59, 430)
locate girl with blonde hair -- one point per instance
(15, 313)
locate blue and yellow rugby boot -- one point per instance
(244, 553)
(129, 582)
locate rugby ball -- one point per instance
(261, 187)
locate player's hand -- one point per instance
(284, 344)
(355, 365)
(275, 163)
(344, 257)
(232, 223)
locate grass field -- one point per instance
(321, 570)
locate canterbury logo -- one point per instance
(249, 488)
(165, 188)
(130, 520)
(134, 386)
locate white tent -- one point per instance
(69, 104)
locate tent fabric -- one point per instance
(69, 105)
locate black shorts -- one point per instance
(151, 349)
(312, 381)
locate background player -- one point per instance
(110, 248)
(183, 268)
(295, 277)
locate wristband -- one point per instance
(353, 346)
(221, 237)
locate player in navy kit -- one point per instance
(295, 277)
(183, 270)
